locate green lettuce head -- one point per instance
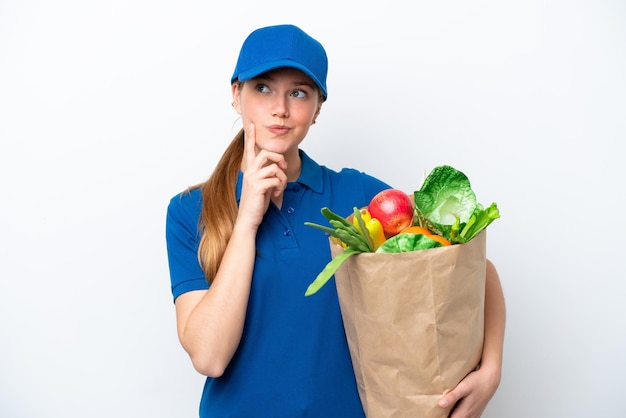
(447, 205)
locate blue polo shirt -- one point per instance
(293, 359)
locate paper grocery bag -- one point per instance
(414, 323)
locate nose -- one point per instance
(280, 107)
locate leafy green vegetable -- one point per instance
(445, 195)
(407, 242)
(479, 221)
(447, 205)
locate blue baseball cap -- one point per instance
(279, 46)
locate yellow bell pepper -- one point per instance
(373, 226)
(375, 229)
(365, 215)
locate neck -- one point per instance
(294, 167)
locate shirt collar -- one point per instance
(310, 176)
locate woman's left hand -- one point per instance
(471, 396)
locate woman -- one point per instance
(241, 257)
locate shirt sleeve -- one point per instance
(182, 239)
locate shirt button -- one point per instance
(287, 232)
(296, 189)
(290, 210)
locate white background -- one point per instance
(109, 108)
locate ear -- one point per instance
(236, 93)
(317, 113)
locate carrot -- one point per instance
(416, 230)
(424, 231)
(439, 239)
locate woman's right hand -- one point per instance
(264, 178)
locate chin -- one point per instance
(276, 145)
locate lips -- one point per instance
(278, 129)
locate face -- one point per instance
(282, 104)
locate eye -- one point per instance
(299, 94)
(262, 88)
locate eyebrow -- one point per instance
(295, 83)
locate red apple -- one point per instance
(394, 209)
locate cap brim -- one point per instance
(272, 65)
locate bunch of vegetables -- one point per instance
(443, 212)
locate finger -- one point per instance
(265, 159)
(272, 172)
(450, 398)
(249, 138)
(274, 158)
(282, 178)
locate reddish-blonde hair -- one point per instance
(219, 208)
